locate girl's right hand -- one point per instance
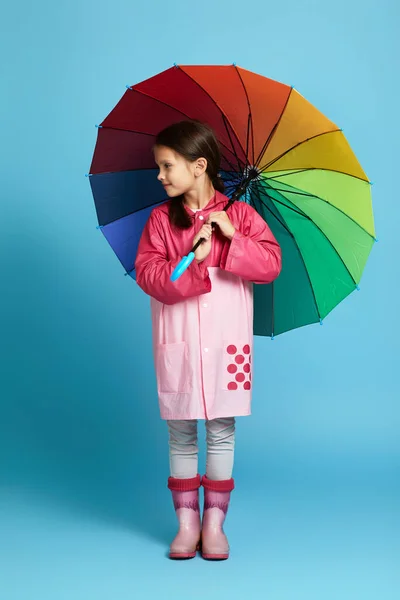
(205, 247)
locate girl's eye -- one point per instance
(167, 165)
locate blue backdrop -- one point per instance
(84, 509)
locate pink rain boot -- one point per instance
(185, 495)
(216, 501)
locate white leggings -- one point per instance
(183, 449)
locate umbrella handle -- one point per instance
(182, 265)
(187, 260)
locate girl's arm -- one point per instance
(254, 255)
(153, 269)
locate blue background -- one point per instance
(84, 508)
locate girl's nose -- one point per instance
(160, 177)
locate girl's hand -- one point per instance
(224, 223)
(205, 247)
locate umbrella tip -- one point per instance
(99, 126)
(128, 87)
(321, 322)
(176, 66)
(99, 226)
(376, 239)
(234, 64)
(357, 288)
(272, 337)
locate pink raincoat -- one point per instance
(203, 322)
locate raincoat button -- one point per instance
(205, 349)
(201, 217)
(205, 305)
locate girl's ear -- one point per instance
(200, 166)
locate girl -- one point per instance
(202, 324)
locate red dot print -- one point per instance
(246, 349)
(247, 385)
(232, 368)
(231, 349)
(232, 385)
(239, 359)
(246, 368)
(240, 377)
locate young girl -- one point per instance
(202, 324)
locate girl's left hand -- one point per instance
(222, 220)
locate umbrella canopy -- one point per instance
(306, 181)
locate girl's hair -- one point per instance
(192, 140)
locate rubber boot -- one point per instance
(185, 495)
(216, 501)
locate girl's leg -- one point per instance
(184, 484)
(220, 437)
(218, 484)
(183, 449)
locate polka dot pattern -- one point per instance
(238, 367)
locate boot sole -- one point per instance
(183, 555)
(215, 556)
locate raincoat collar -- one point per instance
(216, 203)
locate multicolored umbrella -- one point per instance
(305, 181)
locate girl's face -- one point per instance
(177, 175)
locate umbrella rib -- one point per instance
(299, 211)
(232, 186)
(302, 193)
(220, 109)
(266, 166)
(302, 170)
(324, 234)
(225, 121)
(301, 258)
(256, 192)
(272, 132)
(124, 171)
(247, 139)
(249, 120)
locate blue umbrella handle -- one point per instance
(182, 266)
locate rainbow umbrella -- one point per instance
(301, 176)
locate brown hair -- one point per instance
(192, 140)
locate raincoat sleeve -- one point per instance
(253, 253)
(153, 268)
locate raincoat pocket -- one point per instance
(173, 368)
(236, 365)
